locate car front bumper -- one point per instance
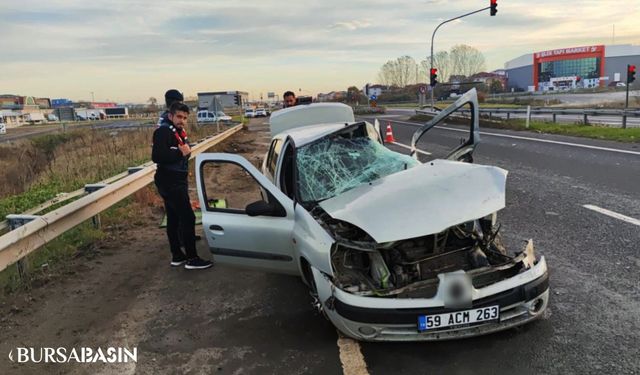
(521, 298)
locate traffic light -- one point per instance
(631, 73)
(434, 75)
(237, 100)
(494, 7)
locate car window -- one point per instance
(272, 158)
(229, 187)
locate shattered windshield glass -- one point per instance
(336, 164)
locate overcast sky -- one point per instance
(130, 50)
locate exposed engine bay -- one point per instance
(409, 268)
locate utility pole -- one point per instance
(493, 4)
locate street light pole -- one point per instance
(434, 34)
(93, 99)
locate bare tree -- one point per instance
(399, 72)
(441, 62)
(462, 60)
(466, 60)
(153, 104)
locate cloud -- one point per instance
(259, 43)
(351, 25)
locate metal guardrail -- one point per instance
(39, 230)
(584, 112)
(63, 197)
(558, 111)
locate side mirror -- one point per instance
(262, 208)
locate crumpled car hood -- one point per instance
(422, 200)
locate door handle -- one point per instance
(216, 229)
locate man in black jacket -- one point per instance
(171, 153)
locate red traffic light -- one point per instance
(494, 7)
(632, 68)
(434, 76)
(631, 73)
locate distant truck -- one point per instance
(35, 118)
(89, 114)
(116, 112)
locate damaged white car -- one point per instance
(392, 249)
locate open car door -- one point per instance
(463, 151)
(247, 221)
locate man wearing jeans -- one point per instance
(171, 153)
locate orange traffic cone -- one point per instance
(389, 136)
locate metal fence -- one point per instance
(553, 113)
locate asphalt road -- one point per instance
(594, 259)
(231, 321)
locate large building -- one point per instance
(227, 99)
(568, 68)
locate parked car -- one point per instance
(222, 117)
(392, 249)
(249, 112)
(3, 126)
(52, 117)
(210, 117)
(261, 112)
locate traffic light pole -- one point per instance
(433, 105)
(631, 76)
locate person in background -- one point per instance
(289, 99)
(171, 153)
(170, 97)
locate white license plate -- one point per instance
(483, 314)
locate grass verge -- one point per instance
(48, 165)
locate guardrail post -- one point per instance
(528, 116)
(16, 221)
(624, 120)
(553, 118)
(585, 119)
(132, 170)
(90, 188)
(508, 115)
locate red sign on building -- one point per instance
(103, 105)
(574, 53)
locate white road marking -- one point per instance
(615, 215)
(351, 357)
(409, 147)
(530, 139)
